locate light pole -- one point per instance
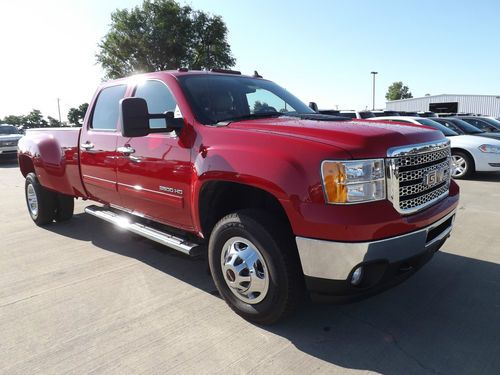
(59, 110)
(374, 74)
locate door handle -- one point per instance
(87, 145)
(125, 150)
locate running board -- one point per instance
(125, 222)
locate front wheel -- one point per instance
(255, 266)
(462, 165)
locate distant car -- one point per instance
(469, 153)
(461, 127)
(379, 113)
(487, 124)
(409, 113)
(330, 112)
(427, 114)
(9, 137)
(356, 114)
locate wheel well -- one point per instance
(466, 153)
(26, 165)
(219, 198)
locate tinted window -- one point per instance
(106, 109)
(466, 127)
(348, 114)
(159, 99)
(8, 129)
(492, 122)
(449, 125)
(433, 124)
(480, 124)
(216, 98)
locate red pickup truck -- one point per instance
(281, 198)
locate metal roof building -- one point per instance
(488, 105)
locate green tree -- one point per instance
(34, 119)
(397, 91)
(259, 106)
(53, 122)
(13, 120)
(161, 35)
(76, 115)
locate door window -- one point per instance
(159, 99)
(106, 109)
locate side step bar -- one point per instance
(153, 234)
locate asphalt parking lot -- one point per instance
(83, 297)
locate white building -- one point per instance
(488, 105)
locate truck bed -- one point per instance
(54, 152)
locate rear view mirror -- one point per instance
(314, 106)
(134, 117)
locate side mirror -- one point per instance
(135, 119)
(314, 106)
(172, 122)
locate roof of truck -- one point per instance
(183, 72)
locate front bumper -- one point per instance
(8, 150)
(487, 162)
(335, 262)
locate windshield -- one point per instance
(492, 122)
(465, 126)
(482, 124)
(8, 129)
(450, 125)
(433, 124)
(217, 98)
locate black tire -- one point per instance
(277, 246)
(65, 206)
(46, 201)
(469, 165)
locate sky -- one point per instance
(321, 51)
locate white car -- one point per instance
(469, 153)
(356, 114)
(9, 136)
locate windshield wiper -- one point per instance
(251, 116)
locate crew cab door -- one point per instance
(154, 171)
(98, 146)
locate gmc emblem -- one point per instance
(435, 177)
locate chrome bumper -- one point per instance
(335, 260)
(8, 149)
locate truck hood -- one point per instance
(362, 139)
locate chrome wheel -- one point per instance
(244, 270)
(32, 200)
(459, 166)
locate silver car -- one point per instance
(9, 137)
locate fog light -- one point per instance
(357, 275)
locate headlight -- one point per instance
(490, 149)
(353, 181)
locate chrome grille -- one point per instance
(429, 157)
(418, 175)
(423, 199)
(8, 143)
